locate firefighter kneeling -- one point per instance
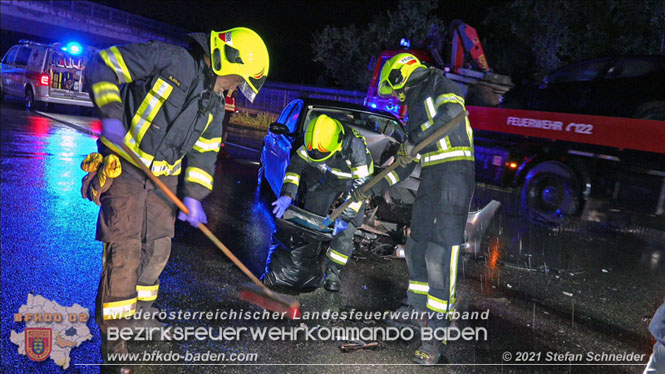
(341, 154)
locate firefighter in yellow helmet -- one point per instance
(340, 153)
(163, 102)
(444, 194)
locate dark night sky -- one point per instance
(286, 26)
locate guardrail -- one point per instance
(275, 95)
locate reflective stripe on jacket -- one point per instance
(157, 90)
(353, 162)
(433, 100)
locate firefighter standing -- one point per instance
(342, 155)
(442, 201)
(162, 102)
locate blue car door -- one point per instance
(277, 148)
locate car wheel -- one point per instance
(29, 98)
(551, 194)
(654, 110)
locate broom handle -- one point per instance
(438, 134)
(201, 226)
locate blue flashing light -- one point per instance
(73, 48)
(404, 42)
(373, 105)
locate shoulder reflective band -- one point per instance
(420, 288)
(147, 293)
(432, 108)
(449, 98)
(199, 176)
(292, 178)
(205, 144)
(119, 309)
(114, 60)
(436, 304)
(361, 171)
(144, 116)
(336, 257)
(105, 93)
(392, 178)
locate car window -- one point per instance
(577, 73)
(380, 124)
(22, 56)
(9, 57)
(631, 68)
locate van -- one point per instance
(46, 73)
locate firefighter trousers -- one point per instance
(438, 220)
(318, 200)
(136, 224)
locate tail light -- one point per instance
(44, 80)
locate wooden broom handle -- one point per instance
(438, 134)
(201, 226)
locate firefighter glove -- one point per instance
(340, 226)
(281, 205)
(196, 213)
(113, 130)
(404, 154)
(101, 172)
(359, 195)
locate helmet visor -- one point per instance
(385, 90)
(249, 90)
(316, 155)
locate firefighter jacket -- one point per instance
(433, 100)
(353, 163)
(158, 91)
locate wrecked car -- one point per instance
(387, 216)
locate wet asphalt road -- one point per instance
(586, 288)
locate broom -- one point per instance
(256, 293)
(438, 134)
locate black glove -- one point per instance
(359, 195)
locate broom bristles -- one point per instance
(276, 303)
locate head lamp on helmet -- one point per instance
(242, 52)
(323, 137)
(395, 73)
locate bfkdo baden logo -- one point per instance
(51, 330)
(38, 343)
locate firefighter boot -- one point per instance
(407, 316)
(429, 352)
(332, 282)
(148, 320)
(112, 352)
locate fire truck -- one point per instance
(559, 165)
